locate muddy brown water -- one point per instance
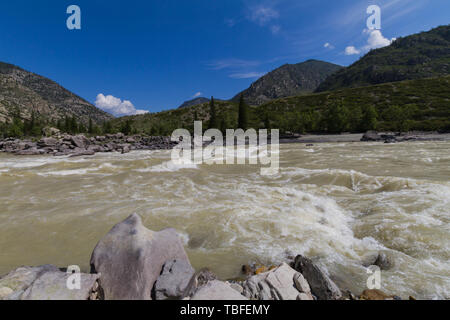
(340, 203)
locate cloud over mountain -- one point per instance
(116, 106)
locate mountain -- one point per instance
(418, 56)
(288, 80)
(26, 92)
(419, 104)
(193, 102)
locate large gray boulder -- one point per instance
(174, 279)
(130, 259)
(80, 141)
(321, 285)
(282, 283)
(45, 283)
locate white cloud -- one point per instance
(116, 106)
(351, 50)
(198, 94)
(263, 15)
(247, 75)
(376, 40)
(328, 45)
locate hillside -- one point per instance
(418, 56)
(27, 93)
(422, 104)
(193, 102)
(288, 80)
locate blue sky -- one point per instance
(152, 55)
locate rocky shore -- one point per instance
(57, 144)
(132, 262)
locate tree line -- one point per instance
(33, 126)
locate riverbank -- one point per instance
(372, 136)
(80, 145)
(132, 262)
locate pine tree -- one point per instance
(213, 116)
(126, 128)
(337, 118)
(243, 114)
(267, 122)
(369, 119)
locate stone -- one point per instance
(217, 290)
(384, 261)
(47, 142)
(5, 292)
(301, 284)
(304, 297)
(199, 279)
(52, 285)
(130, 259)
(79, 153)
(375, 294)
(237, 287)
(20, 279)
(80, 141)
(50, 131)
(174, 279)
(30, 152)
(125, 149)
(371, 136)
(277, 284)
(321, 285)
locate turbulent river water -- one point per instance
(339, 203)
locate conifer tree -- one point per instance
(213, 116)
(243, 114)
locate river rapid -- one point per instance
(339, 203)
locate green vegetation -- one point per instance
(213, 124)
(418, 56)
(243, 114)
(408, 105)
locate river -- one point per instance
(339, 203)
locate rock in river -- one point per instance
(321, 285)
(174, 279)
(130, 259)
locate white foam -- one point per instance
(169, 166)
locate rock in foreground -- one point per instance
(321, 285)
(282, 283)
(130, 259)
(45, 283)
